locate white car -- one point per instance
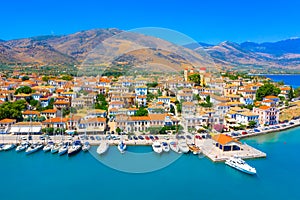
(23, 138)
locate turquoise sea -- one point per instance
(47, 176)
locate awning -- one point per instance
(36, 129)
(70, 132)
(14, 129)
(24, 129)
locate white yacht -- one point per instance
(75, 148)
(48, 146)
(174, 146)
(240, 164)
(63, 149)
(122, 146)
(7, 147)
(22, 146)
(103, 147)
(33, 148)
(86, 146)
(183, 147)
(55, 148)
(156, 146)
(165, 146)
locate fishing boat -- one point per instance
(48, 146)
(103, 147)
(33, 148)
(63, 149)
(74, 148)
(193, 148)
(165, 147)
(22, 147)
(174, 147)
(239, 164)
(122, 146)
(86, 146)
(183, 147)
(156, 146)
(55, 148)
(8, 147)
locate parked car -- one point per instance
(291, 123)
(147, 137)
(141, 137)
(151, 137)
(98, 137)
(244, 133)
(256, 130)
(135, 138)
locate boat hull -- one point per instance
(74, 152)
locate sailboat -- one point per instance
(86, 146)
(75, 148)
(7, 147)
(22, 146)
(63, 149)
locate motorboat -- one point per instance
(55, 148)
(63, 149)
(174, 147)
(33, 148)
(193, 148)
(165, 147)
(8, 147)
(103, 147)
(22, 147)
(74, 148)
(122, 146)
(239, 164)
(86, 146)
(156, 146)
(183, 147)
(48, 146)
(1, 146)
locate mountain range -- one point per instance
(72, 49)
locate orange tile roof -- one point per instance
(264, 107)
(270, 97)
(61, 102)
(49, 111)
(56, 120)
(224, 139)
(139, 118)
(3, 121)
(94, 119)
(31, 112)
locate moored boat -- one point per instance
(174, 147)
(103, 147)
(55, 148)
(183, 147)
(193, 148)
(33, 148)
(22, 146)
(8, 147)
(48, 146)
(240, 165)
(63, 149)
(122, 146)
(156, 146)
(165, 147)
(75, 148)
(86, 146)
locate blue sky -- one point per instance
(210, 21)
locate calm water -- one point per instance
(47, 176)
(293, 80)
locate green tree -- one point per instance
(33, 102)
(25, 78)
(153, 84)
(45, 78)
(291, 94)
(67, 77)
(118, 130)
(265, 90)
(196, 78)
(24, 89)
(251, 124)
(141, 112)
